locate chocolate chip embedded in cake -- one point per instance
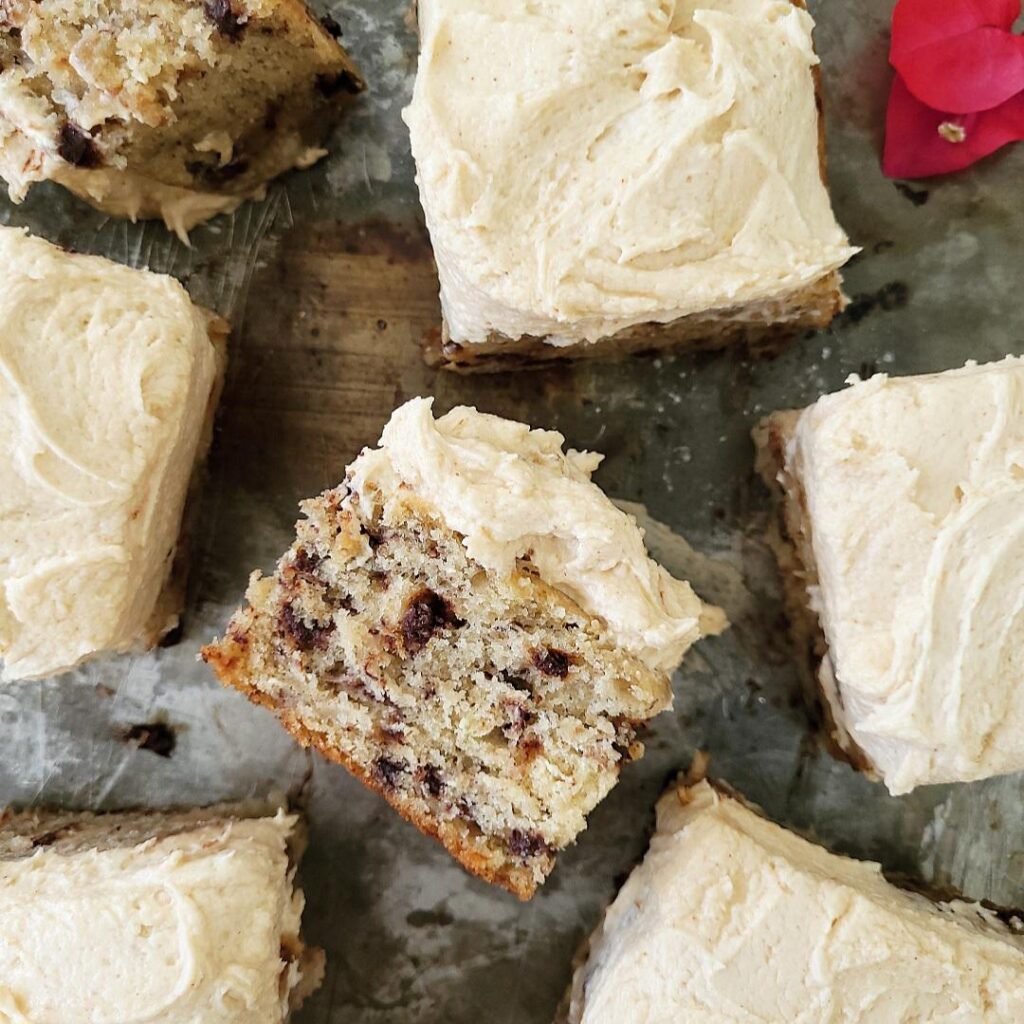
(474, 630)
(183, 917)
(731, 918)
(902, 546)
(179, 109)
(109, 378)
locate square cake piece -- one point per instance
(607, 176)
(732, 918)
(108, 382)
(474, 630)
(902, 503)
(179, 109)
(173, 918)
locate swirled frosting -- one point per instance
(184, 929)
(915, 505)
(514, 495)
(732, 919)
(589, 165)
(106, 378)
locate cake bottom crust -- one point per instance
(762, 328)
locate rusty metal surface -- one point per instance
(329, 283)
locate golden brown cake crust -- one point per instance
(763, 330)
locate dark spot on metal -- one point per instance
(156, 737)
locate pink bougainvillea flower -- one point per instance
(920, 142)
(959, 89)
(958, 55)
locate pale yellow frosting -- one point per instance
(915, 504)
(186, 929)
(589, 165)
(734, 920)
(106, 375)
(513, 494)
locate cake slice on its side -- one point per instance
(901, 541)
(187, 917)
(179, 109)
(109, 379)
(733, 918)
(472, 629)
(603, 177)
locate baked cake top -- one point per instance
(106, 374)
(590, 165)
(914, 490)
(517, 498)
(732, 918)
(187, 927)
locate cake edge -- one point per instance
(789, 537)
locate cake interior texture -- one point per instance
(731, 918)
(486, 706)
(183, 917)
(167, 108)
(901, 555)
(109, 378)
(656, 178)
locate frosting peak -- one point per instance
(514, 494)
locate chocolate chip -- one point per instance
(524, 845)
(213, 175)
(552, 662)
(304, 636)
(223, 14)
(424, 615)
(76, 146)
(331, 26)
(389, 773)
(519, 720)
(156, 737)
(46, 838)
(516, 682)
(430, 779)
(345, 81)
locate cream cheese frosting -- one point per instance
(732, 919)
(589, 165)
(184, 929)
(515, 496)
(106, 379)
(914, 490)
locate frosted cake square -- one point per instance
(474, 630)
(604, 176)
(902, 503)
(108, 382)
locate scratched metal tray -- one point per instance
(329, 283)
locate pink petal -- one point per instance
(917, 138)
(964, 73)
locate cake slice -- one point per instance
(473, 629)
(902, 546)
(173, 918)
(179, 109)
(601, 177)
(109, 378)
(732, 918)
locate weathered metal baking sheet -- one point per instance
(329, 283)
